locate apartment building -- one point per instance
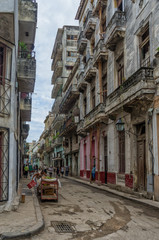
(119, 93)
(17, 76)
(64, 92)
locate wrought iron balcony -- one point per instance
(69, 125)
(81, 43)
(69, 99)
(100, 53)
(115, 30)
(137, 86)
(26, 71)
(25, 106)
(25, 130)
(57, 102)
(5, 96)
(90, 71)
(89, 25)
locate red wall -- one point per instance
(111, 178)
(129, 180)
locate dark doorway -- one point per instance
(141, 160)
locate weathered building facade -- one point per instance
(64, 92)
(17, 76)
(117, 46)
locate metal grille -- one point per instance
(63, 227)
(5, 86)
(4, 163)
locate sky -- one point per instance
(52, 14)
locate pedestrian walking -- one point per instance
(57, 172)
(26, 169)
(93, 172)
(62, 171)
(66, 170)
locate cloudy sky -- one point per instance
(52, 14)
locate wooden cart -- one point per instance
(49, 189)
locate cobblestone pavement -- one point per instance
(94, 214)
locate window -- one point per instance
(71, 37)
(85, 105)
(145, 48)
(71, 54)
(92, 46)
(76, 138)
(69, 67)
(2, 64)
(104, 87)
(93, 94)
(103, 20)
(120, 69)
(119, 5)
(122, 152)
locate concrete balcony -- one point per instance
(55, 107)
(89, 25)
(81, 43)
(100, 53)
(58, 56)
(115, 30)
(27, 21)
(25, 107)
(57, 121)
(140, 87)
(57, 87)
(90, 71)
(57, 142)
(26, 71)
(57, 71)
(97, 4)
(95, 116)
(69, 125)
(80, 129)
(25, 130)
(69, 99)
(81, 84)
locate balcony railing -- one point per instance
(115, 30)
(92, 115)
(89, 71)
(28, 11)
(25, 130)
(69, 125)
(26, 71)
(143, 74)
(25, 106)
(5, 96)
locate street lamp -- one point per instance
(120, 125)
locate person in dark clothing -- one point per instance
(57, 172)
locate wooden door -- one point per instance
(141, 164)
(141, 156)
(106, 157)
(122, 152)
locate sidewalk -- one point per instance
(131, 197)
(24, 222)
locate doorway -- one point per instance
(141, 159)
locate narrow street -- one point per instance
(94, 214)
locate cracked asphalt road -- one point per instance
(95, 214)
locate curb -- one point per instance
(39, 226)
(127, 196)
